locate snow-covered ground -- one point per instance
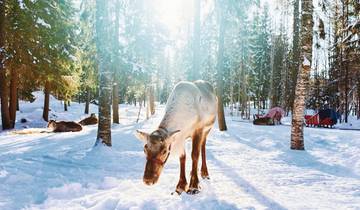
(251, 167)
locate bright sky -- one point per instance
(175, 13)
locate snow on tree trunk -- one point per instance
(105, 84)
(220, 68)
(297, 133)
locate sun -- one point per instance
(174, 13)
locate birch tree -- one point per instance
(306, 34)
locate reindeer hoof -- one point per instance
(179, 191)
(205, 177)
(181, 187)
(193, 191)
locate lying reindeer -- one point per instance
(92, 120)
(264, 121)
(64, 126)
(190, 112)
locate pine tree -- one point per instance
(260, 54)
(87, 45)
(277, 68)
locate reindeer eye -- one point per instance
(164, 152)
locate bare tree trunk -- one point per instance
(272, 85)
(87, 102)
(239, 107)
(220, 67)
(46, 101)
(346, 106)
(17, 102)
(13, 95)
(147, 98)
(297, 133)
(115, 105)
(138, 116)
(4, 91)
(249, 111)
(345, 20)
(231, 93)
(65, 106)
(152, 100)
(115, 102)
(284, 86)
(105, 85)
(358, 96)
(5, 114)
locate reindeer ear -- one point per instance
(173, 133)
(141, 135)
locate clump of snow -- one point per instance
(21, 4)
(42, 22)
(306, 62)
(3, 173)
(67, 191)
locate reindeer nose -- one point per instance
(149, 181)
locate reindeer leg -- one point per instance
(204, 170)
(194, 180)
(182, 184)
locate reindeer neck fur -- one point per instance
(186, 110)
(181, 110)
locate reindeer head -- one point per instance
(51, 124)
(157, 150)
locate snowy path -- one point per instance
(250, 167)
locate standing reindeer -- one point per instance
(190, 113)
